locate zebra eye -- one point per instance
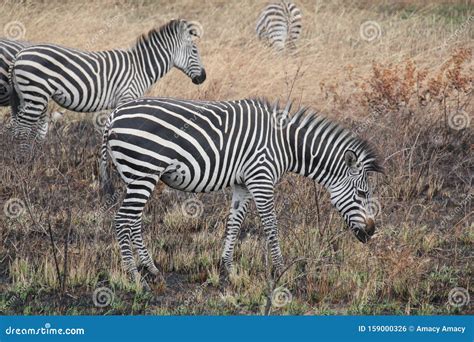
(361, 193)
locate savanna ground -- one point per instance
(400, 74)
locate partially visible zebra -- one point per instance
(8, 50)
(93, 81)
(203, 146)
(279, 25)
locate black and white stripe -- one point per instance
(8, 51)
(93, 81)
(204, 146)
(279, 24)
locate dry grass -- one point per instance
(401, 91)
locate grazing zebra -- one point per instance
(279, 25)
(203, 146)
(93, 81)
(8, 50)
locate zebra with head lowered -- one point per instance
(93, 81)
(8, 50)
(279, 24)
(203, 146)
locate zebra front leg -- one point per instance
(262, 193)
(240, 200)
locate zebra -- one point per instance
(204, 146)
(94, 81)
(8, 50)
(279, 24)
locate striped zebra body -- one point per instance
(8, 51)
(279, 25)
(203, 146)
(94, 81)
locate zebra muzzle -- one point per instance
(200, 78)
(364, 234)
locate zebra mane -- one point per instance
(193, 28)
(145, 37)
(305, 117)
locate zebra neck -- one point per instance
(152, 58)
(308, 154)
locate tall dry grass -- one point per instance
(402, 91)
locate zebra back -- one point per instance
(279, 24)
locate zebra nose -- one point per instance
(370, 226)
(201, 78)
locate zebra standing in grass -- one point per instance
(93, 81)
(279, 25)
(8, 50)
(203, 146)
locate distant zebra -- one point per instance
(203, 146)
(8, 50)
(279, 24)
(93, 81)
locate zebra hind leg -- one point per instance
(144, 256)
(128, 227)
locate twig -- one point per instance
(53, 246)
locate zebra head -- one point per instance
(351, 193)
(186, 56)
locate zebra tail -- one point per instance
(14, 95)
(107, 190)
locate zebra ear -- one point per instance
(350, 159)
(195, 29)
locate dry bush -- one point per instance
(404, 91)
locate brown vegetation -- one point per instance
(409, 91)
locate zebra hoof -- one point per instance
(278, 271)
(154, 271)
(224, 274)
